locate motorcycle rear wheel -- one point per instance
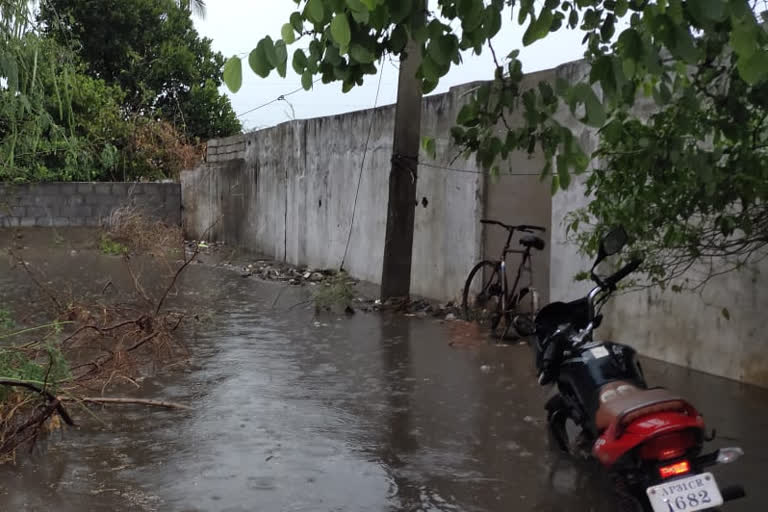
(626, 500)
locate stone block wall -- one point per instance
(84, 204)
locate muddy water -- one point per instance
(362, 413)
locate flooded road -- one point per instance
(371, 412)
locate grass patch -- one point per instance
(6, 320)
(111, 247)
(337, 290)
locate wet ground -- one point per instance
(294, 412)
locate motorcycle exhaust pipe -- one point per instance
(728, 455)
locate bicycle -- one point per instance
(495, 301)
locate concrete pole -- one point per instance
(398, 244)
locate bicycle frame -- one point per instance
(507, 299)
(525, 264)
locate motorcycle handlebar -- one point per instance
(624, 272)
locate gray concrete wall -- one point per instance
(84, 204)
(685, 328)
(288, 192)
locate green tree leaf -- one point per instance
(268, 46)
(707, 10)
(595, 112)
(258, 61)
(492, 21)
(443, 49)
(630, 45)
(467, 115)
(744, 40)
(427, 86)
(289, 36)
(341, 32)
(754, 69)
(306, 80)
(281, 56)
(471, 13)
(555, 184)
(360, 13)
(297, 22)
(539, 27)
(399, 10)
(233, 74)
(684, 45)
(398, 39)
(299, 62)
(361, 54)
(315, 11)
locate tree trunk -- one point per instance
(398, 244)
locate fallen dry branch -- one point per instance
(40, 390)
(130, 401)
(181, 269)
(23, 422)
(93, 342)
(100, 342)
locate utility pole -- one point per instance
(401, 210)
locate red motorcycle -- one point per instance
(651, 439)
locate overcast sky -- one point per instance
(237, 25)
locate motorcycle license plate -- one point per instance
(697, 492)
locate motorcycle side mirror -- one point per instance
(612, 243)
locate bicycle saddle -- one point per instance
(533, 241)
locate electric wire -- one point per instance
(362, 167)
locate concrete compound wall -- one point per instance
(688, 328)
(84, 204)
(288, 192)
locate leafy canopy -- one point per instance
(151, 50)
(68, 115)
(689, 180)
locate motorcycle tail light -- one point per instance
(678, 468)
(668, 446)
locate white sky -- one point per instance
(237, 25)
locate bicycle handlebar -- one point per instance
(522, 227)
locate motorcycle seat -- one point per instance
(622, 402)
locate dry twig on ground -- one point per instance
(99, 343)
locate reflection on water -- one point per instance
(367, 413)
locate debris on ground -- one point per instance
(331, 289)
(85, 347)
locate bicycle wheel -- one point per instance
(526, 306)
(481, 300)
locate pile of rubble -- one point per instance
(274, 271)
(413, 308)
(277, 271)
(261, 268)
